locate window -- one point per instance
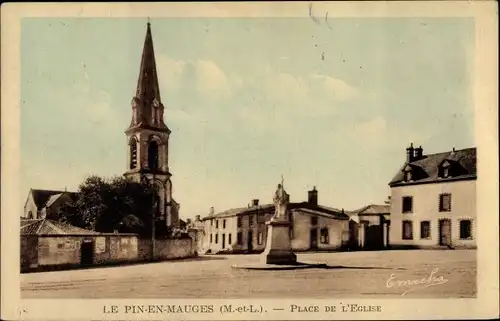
(223, 223)
(216, 238)
(445, 202)
(153, 155)
(407, 204)
(217, 224)
(240, 221)
(408, 176)
(260, 238)
(223, 241)
(250, 219)
(425, 230)
(211, 222)
(314, 220)
(407, 230)
(261, 218)
(324, 236)
(465, 229)
(133, 153)
(30, 215)
(229, 241)
(210, 238)
(239, 238)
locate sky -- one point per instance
(328, 104)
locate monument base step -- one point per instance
(263, 266)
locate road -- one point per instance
(355, 274)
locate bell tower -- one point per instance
(148, 136)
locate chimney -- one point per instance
(255, 202)
(211, 211)
(410, 154)
(313, 197)
(419, 153)
(197, 218)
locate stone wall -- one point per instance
(58, 250)
(167, 249)
(115, 248)
(175, 248)
(29, 252)
(54, 252)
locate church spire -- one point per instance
(147, 108)
(147, 85)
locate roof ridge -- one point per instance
(55, 227)
(450, 151)
(40, 227)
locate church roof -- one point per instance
(50, 227)
(428, 167)
(43, 197)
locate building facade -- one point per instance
(148, 138)
(369, 227)
(433, 200)
(243, 230)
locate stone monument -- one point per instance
(278, 245)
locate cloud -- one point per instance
(204, 76)
(209, 77)
(373, 127)
(335, 89)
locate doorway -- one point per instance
(445, 232)
(87, 252)
(249, 241)
(313, 244)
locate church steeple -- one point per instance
(147, 108)
(148, 138)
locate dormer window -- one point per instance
(445, 170)
(408, 174)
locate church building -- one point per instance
(148, 138)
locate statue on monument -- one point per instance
(281, 200)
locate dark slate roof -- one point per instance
(42, 196)
(372, 209)
(50, 227)
(426, 169)
(241, 211)
(269, 208)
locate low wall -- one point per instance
(167, 249)
(174, 249)
(64, 252)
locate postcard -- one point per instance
(253, 161)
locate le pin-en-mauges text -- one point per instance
(229, 308)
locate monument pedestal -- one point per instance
(278, 246)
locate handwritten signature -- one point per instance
(414, 284)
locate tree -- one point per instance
(105, 205)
